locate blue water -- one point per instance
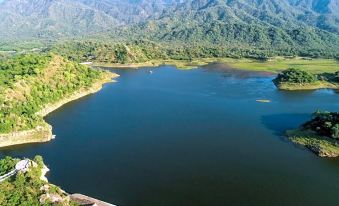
(190, 138)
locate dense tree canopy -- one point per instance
(295, 76)
(325, 123)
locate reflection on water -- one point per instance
(279, 123)
(196, 137)
(227, 71)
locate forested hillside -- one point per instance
(271, 27)
(30, 82)
(240, 27)
(30, 19)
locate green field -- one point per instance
(275, 65)
(279, 63)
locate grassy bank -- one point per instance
(272, 65)
(320, 134)
(308, 86)
(280, 63)
(321, 145)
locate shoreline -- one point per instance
(273, 65)
(179, 64)
(314, 86)
(39, 134)
(43, 133)
(319, 145)
(97, 86)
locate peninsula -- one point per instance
(24, 182)
(36, 84)
(320, 135)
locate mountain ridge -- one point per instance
(303, 26)
(71, 18)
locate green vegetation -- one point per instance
(295, 79)
(320, 135)
(237, 39)
(30, 82)
(148, 53)
(24, 189)
(20, 46)
(277, 64)
(21, 67)
(6, 165)
(123, 53)
(325, 124)
(295, 76)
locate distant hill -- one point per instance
(288, 26)
(258, 27)
(64, 18)
(50, 18)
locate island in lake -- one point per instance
(296, 79)
(320, 135)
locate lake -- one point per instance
(189, 137)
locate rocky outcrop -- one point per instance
(53, 199)
(39, 134)
(322, 152)
(85, 200)
(52, 194)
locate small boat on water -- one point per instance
(263, 100)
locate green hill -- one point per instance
(269, 26)
(257, 28)
(33, 85)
